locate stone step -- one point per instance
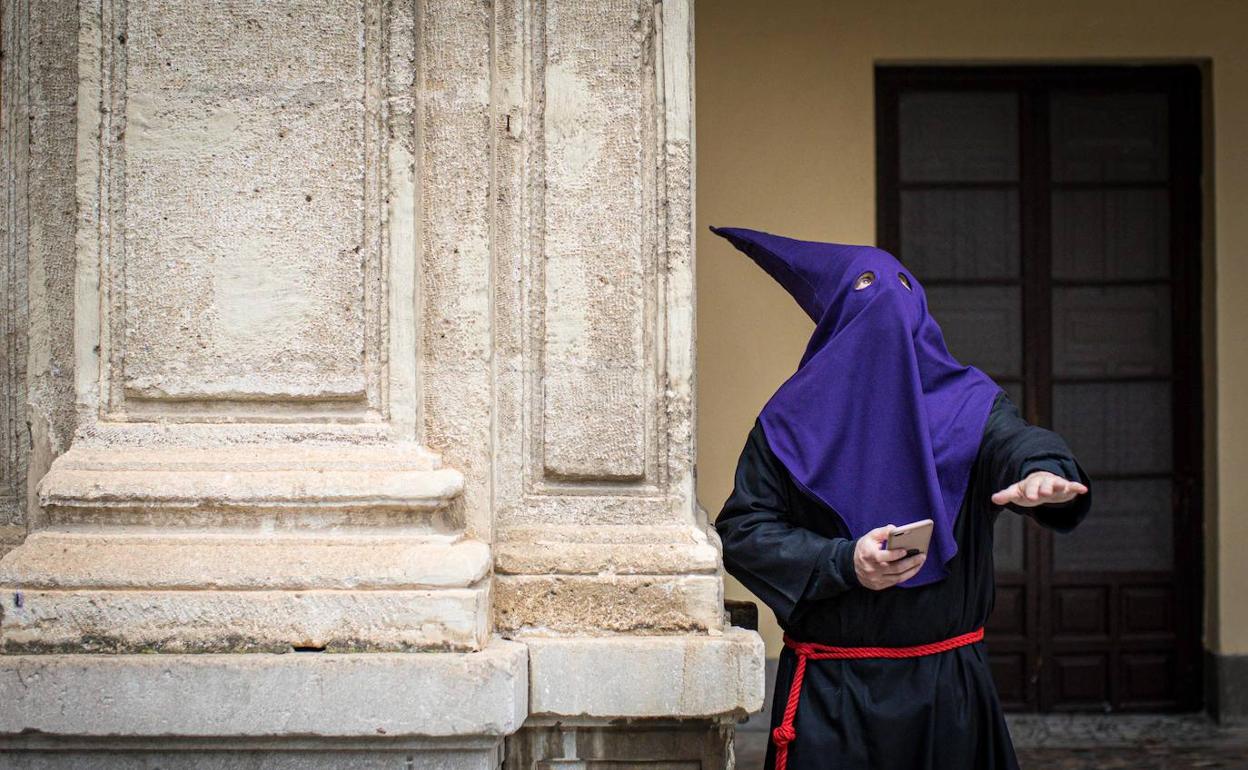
(607, 604)
(165, 560)
(88, 591)
(132, 621)
(590, 550)
(648, 677)
(645, 579)
(377, 695)
(285, 486)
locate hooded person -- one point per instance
(884, 663)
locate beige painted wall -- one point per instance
(785, 143)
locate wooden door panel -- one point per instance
(1081, 679)
(1009, 673)
(961, 234)
(1111, 331)
(1111, 234)
(1101, 136)
(1148, 679)
(1132, 530)
(1147, 611)
(1081, 611)
(981, 324)
(1119, 428)
(958, 136)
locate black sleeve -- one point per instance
(785, 565)
(1013, 448)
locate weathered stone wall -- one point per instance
(359, 377)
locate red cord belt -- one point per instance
(783, 735)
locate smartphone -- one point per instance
(914, 537)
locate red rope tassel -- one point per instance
(783, 735)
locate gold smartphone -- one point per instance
(914, 537)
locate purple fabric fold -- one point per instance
(879, 422)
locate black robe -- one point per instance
(923, 713)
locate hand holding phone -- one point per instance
(879, 565)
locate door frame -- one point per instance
(1184, 85)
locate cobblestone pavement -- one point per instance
(1140, 758)
(1190, 745)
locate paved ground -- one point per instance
(751, 749)
(1145, 758)
(1094, 743)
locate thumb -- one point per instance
(1005, 495)
(880, 534)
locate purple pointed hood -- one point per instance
(879, 422)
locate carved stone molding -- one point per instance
(249, 486)
(212, 301)
(595, 371)
(244, 199)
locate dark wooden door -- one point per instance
(1053, 215)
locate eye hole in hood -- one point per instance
(864, 280)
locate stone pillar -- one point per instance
(383, 356)
(606, 567)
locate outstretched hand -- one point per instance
(1039, 488)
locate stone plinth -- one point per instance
(298, 710)
(267, 696)
(642, 677)
(328, 548)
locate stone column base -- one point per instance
(700, 677)
(668, 702)
(686, 745)
(444, 710)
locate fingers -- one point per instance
(1039, 488)
(884, 557)
(1047, 485)
(1031, 487)
(911, 567)
(909, 564)
(910, 572)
